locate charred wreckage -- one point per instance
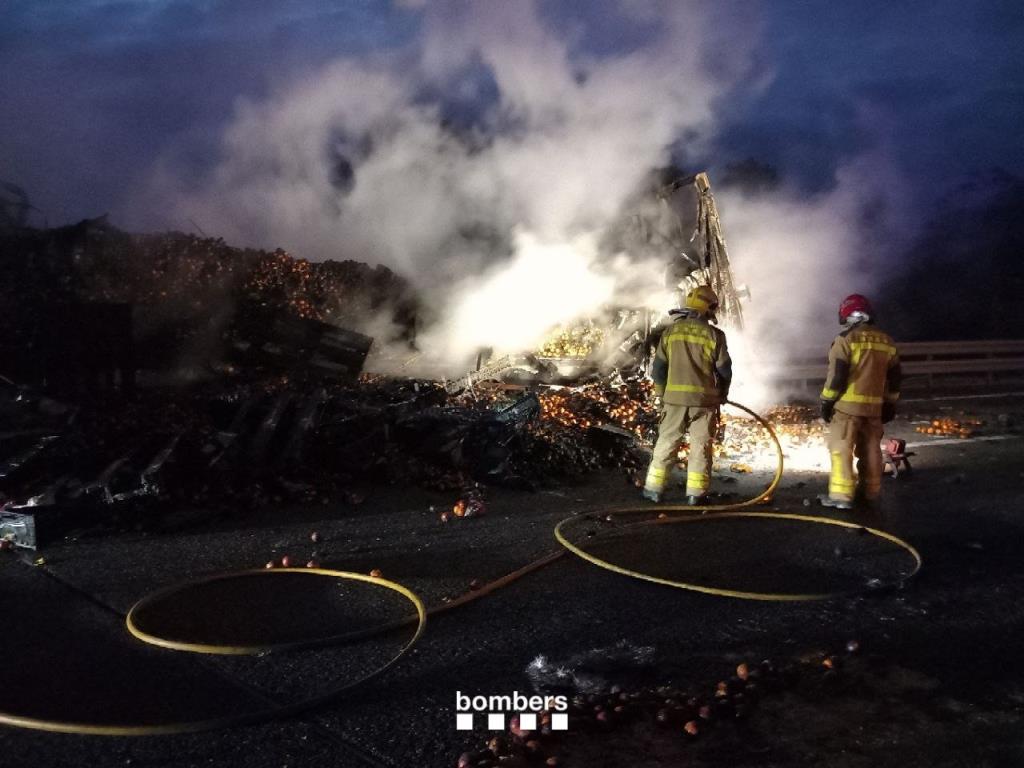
(97, 432)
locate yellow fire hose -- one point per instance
(248, 718)
(420, 617)
(261, 716)
(724, 511)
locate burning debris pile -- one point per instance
(228, 446)
(335, 292)
(196, 276)
(280, 413)
(189, 298)
(532, 440)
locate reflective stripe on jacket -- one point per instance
(692, 364)
(863, 371)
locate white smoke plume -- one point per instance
(497, 222)
(801, 256)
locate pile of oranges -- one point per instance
(948, 427)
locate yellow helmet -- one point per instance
(702, 299)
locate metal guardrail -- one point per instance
(928, 360)
(913, 349)
(922, 362)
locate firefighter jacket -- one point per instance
(863, 371)
(692, 365)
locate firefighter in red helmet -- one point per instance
(859, 396)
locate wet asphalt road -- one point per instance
(960, 622)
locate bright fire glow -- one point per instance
(750, 384)
(515, 306)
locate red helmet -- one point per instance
(852, 305)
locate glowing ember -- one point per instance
(744, 443)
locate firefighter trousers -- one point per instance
(860, 437)
(676, 421)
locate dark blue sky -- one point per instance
(93, 93)
(938, 85)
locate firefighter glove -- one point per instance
(827, 406)
(659, 405)
(888, 412)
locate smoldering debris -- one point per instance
(296, 346)
(280, 412)
(227, 445)
(171, 302)
(224, 446)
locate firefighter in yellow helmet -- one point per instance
(692, 372)
(859, 396)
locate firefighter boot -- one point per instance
(827, 501)
(650, 495)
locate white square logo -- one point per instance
(496, 721)
(464, 721)
(560, 721)
(528, 721)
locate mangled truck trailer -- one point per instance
(676, 224)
